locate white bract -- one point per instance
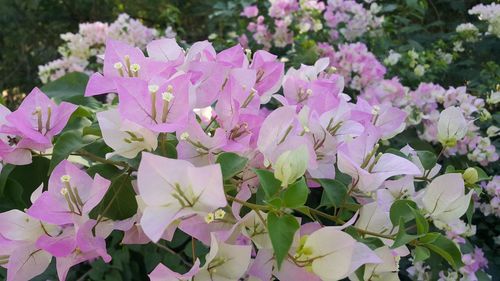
(125, 137)
(452, 126)
(445, 199)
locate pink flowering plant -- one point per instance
(225, 165)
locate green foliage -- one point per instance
(295, 195)
(269, 183)
(231, 164)
(281, 231)
(334, 192)
(20, 182)
(119, 202)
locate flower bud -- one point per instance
(470, 175)
(291, 165)
(452, 126)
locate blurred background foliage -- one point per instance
(30, 29)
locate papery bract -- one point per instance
(173, 189)
(71, 194)
(39, 119)
(445, 199)
(124, 136)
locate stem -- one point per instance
(246, 204)
(174, 253)
(193, 249)
(162, 144)
(96, 158)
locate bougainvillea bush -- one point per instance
(225, 166)
(318, 140)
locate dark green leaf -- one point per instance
(334, 190)
(422, 224)
(421, 253)
(119, 202)
(448, 250)
(428, 238)
(70, 88)
(268, 182)
(402, 209)
(31, 176)
(231, 164)
(295, 195)
(4, 176)
(402, 238)
(69, 142)
(281, 231)
(470, 212)
(427, 158)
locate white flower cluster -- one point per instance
(81, 50)
(489, 13)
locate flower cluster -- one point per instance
(489, 13)
(285, 18)
(80, 51)
(423, 105)
(198, 126)
(359, 67)
(492, 206)
(364, 73)
(350, 20)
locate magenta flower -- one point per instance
(122, 60)
(359, 159)
(197, 147)
(85, 247)
(160, 107)
(250, 11)
(39, 119)
(269, 74)
(13, 149)
(71, 194)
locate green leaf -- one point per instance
(421, 253)
(427, 158)
(448, 250)
(119, 202)
(305, 210)
(12, 196)
(231, 164)
(360, 273)
(281, 232)
(269, 183)
(4, 176)
(295, 195)
(334, 191)
(402, 238)
(482, 176)
(396, 152)
(66, 144)
(449, 169)
(422, 223)
(70, 88)
(402, 209)
(428, 238)
(470, 211)
(26, 179)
